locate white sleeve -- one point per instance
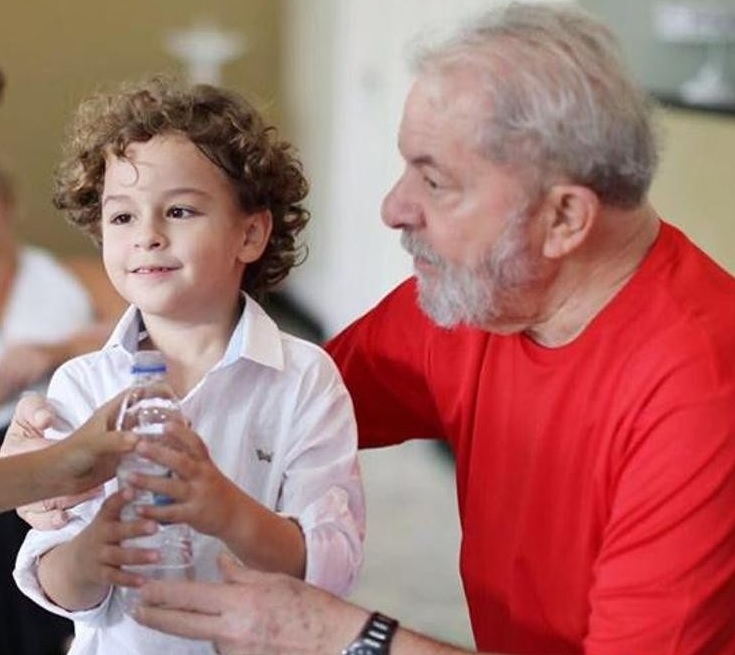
(322, 487)
(38, 542)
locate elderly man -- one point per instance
(574, 349)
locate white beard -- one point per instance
(481, 295)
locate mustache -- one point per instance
(417, 248)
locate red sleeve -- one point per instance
(664, 581)
(384, 357)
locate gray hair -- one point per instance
(562, 105)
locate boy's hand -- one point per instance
(77, 574)
(202, 496)
(101, 546)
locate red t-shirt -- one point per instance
(596, 481)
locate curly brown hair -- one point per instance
(232, 134)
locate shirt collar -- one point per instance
(256, 336)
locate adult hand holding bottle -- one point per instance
(65, 472)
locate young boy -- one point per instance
(197, 206)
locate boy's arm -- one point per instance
(64, 575)
(212, 504)
(262, 538)
(322, 490)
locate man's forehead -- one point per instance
(436, 104)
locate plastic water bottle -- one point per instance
(148, 405)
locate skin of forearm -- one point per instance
(30, 477)
(25, 479)
(63, 470)
(406, 642)
(65, 581)
(264, 540)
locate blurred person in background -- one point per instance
(49, 312)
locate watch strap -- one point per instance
(375, 636)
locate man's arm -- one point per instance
(255, 612)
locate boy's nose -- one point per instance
(149, 241)
(150, 234)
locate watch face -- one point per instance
(363, 649)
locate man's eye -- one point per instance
(430, 183)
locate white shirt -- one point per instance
(46, 304)
(277, 420)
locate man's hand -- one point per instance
(252, 613)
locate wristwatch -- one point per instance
(375, 637)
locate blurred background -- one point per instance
(332, 75)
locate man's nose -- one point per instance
(399, 210)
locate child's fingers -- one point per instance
(170, 486)
(176, 461)
(114, 503)
(182, 437)
(120, 576)
(115, 531)
(174, 513)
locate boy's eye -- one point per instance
(180, 212)
(120, 219)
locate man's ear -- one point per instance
(258, 228)
(570, 211)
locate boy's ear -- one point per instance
(258, 228)
(571, 211)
